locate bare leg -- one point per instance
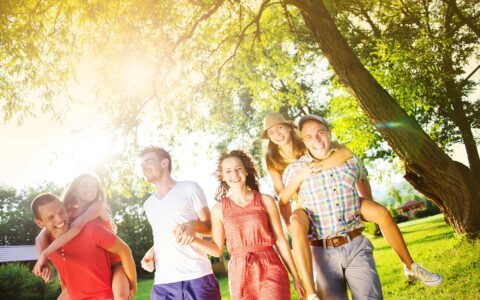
(120, 284)
(285, 212)
(299, 224)
(373, 212)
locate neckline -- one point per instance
(168, 192)
(246, 205)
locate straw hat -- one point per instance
(272, 119)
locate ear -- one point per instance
(39, 223)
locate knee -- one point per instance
(297, 225)
(122, 296)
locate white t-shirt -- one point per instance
(174, 262)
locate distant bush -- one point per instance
(18, 282)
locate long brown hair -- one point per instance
(69, 197)
(275, 160)
(248, 163)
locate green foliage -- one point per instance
(417, 51)
(16, 221)
(372, 228)
(132, 227)
(18, 282)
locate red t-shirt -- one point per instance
(83, 263)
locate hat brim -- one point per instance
(264, 134)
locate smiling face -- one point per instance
(153, 167)
(317, 138)
(234, 173)
(280, 134)
(53, 217)
(87, 190)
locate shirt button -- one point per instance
(337, 204)
(335, 189)
(339, 220)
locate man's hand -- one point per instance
(148, 261)
(184, 233)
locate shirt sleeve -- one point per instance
(103, 237)
(362, 172)
(197, 195)
(288, 174)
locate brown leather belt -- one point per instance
(338, 240)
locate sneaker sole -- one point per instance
(433, 283)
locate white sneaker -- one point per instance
(418, 272)
(313, 297)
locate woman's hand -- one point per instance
(299, 287)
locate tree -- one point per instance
(241, 50)
(451, 185)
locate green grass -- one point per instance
(433, 244)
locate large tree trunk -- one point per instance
(449, 184)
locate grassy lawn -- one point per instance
(432, 244)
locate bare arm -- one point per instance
(63, 295)
(41, 243)
(214, 247)
(281, 242)
(364, 189)
(285, 209)
(185, 233)
(122, 250)
(292, 187)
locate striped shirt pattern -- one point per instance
(329, 197)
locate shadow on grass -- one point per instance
(425, 240)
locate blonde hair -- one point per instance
(275, 160)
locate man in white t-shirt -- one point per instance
(177, 211)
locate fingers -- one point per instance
(47, 274)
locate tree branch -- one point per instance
(241, 36)
(469, 21)
(204, 17)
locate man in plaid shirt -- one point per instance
(341, 254)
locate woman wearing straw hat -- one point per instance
(284, 146)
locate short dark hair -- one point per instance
(160, 152)
(40, 200)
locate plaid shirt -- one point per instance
(329, 197)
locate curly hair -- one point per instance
(250, 167)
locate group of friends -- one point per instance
(322, 193)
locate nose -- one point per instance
(58, 218)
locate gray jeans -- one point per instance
(351, 264)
